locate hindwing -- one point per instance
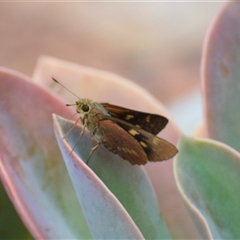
(155, 148)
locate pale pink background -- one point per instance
(157, 45)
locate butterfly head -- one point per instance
(83, 106)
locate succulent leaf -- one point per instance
(208, 175)
(119, 191)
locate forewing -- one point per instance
(156, 149)
(118, 141)
(152, 123)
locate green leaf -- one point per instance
(119, 190)
(208, 175)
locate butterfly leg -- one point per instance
(73, 127)
(84, 126)
(92, 150)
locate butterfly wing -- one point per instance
(118, 141)
(152, 123)
(156, 149)
(134, 144)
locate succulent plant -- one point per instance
(57, 196)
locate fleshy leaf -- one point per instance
(32, 167)
(208, 175)
(118, 189)
(221, 76)
(107, 87)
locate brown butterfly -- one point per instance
(128, 133)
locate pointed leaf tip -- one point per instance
(129, 184)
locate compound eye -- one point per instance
(85, 107)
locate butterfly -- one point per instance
(130, 134)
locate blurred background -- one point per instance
(155, 44)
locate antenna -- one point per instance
(55, 80)
(72, 104)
